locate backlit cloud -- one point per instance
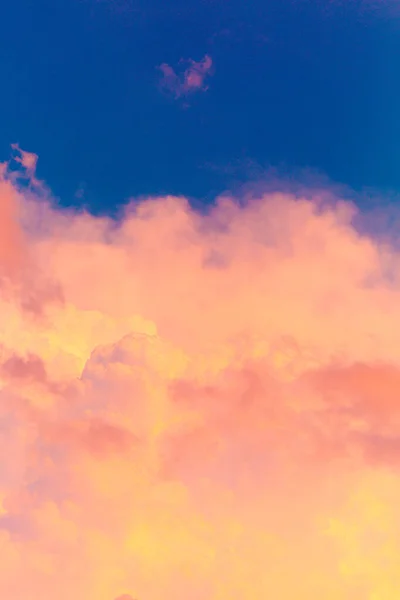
(191, 80)
(207, 408)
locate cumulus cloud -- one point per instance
(211, 411)
(190, 81)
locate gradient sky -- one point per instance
(199, 399)
(295, 84)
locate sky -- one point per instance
(296, 84)
(199, 301)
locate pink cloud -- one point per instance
(28, 160)
(191, 80)
(210, 412)
(20, 276)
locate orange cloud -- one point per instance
(209, 409)
(192, 79)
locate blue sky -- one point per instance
(295, 84)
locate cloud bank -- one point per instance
(198, 406)
(190, 81)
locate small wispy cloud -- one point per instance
(27, 160)
(193, 78)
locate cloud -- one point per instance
(190, 81)
(20, 275)
(211, 410)
(28, 160)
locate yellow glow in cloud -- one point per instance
(197, 406)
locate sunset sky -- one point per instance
(200, 300)
(296, 84)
